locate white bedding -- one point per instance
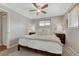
(49, 43)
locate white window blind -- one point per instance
(44, 23)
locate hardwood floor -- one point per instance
(2, 48)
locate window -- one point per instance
(44, 23)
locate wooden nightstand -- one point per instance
(61, 36)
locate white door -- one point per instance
(4, 29)
(0, 31)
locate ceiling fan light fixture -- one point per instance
(38, 10)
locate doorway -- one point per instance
(3, 30)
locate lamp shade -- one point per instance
(59, 28)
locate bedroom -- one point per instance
(57, 19)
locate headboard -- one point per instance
(61, 36)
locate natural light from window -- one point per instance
(44, 23)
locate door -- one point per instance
(4, 29)
(0, 31)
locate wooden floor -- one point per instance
(2, 48)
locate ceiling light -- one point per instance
(38, 10)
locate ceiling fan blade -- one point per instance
(44, 12)
(35, 5)
(45, 6)
(32, 10)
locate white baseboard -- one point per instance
(70, 52)
(12, 45)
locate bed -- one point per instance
(46, 44)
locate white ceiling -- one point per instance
(54, 9)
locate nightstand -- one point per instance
(61, 36)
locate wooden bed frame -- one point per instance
(45, 53)
(62, 38)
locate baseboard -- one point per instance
(70, 52)
(12, 45)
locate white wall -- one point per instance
(72, 32)
(55, 21)
(17, 24)
(72, 40)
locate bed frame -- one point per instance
(62, 38)
(45, 53)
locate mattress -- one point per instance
(48, 46)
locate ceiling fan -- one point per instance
(39, 9)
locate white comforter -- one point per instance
(49, 43)
(52, 38)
